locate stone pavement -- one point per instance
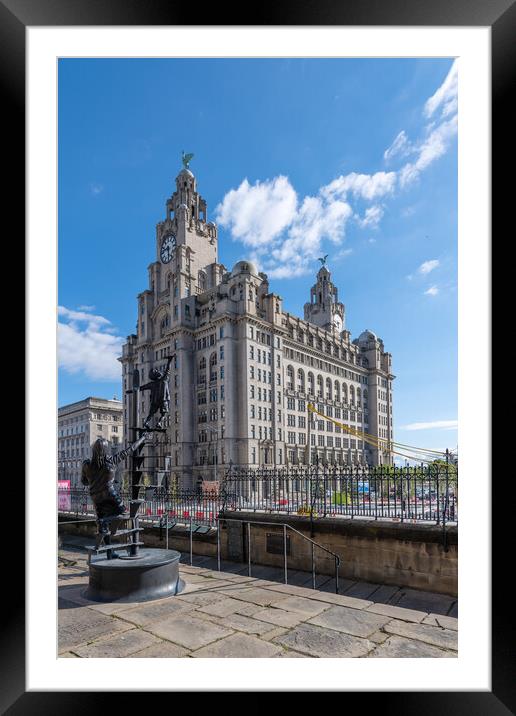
(229, 614)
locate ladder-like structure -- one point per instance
(107, 529)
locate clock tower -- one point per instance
(325, 309)
(186, 246)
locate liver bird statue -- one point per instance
(323, 259)
(187, 158)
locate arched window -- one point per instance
(311, 384)
(365, 397)
(213, 366)
(359, 397)
(290, 378)
(328, 389)
(301, 380)
(320, 386)
(352, 395)
(337, 390)
(344, 393)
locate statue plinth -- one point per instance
(154, 575)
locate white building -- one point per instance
(79, 425)
(245, 369)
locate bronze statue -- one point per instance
(98, 474)
(159, 394)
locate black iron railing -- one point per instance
(424, 494)
(428, 493)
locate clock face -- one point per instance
(337, 322)
(167, 248)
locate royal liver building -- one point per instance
(244, 369)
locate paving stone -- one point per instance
(200, 598)
(279, 616)
(439, 620)
(384, 594)
(302, 605)
(378, 637)
(69, 580)
(205, 585)
(292, 589)
(409, 615)
(239, 646)
(248, 609)
(222, 608)
(82, 625)
(344, 584)
(75, 594)
(274, 574)
(423, 601)
(234, 578)
(350, 621)
(256, 595)
(188, 631)
(270, 635)
(153, 611)
(444, 638)
(118, 645)
(246, 624)
(398, 647)
(318, 641)
(113, 607)
(321, 596)
(161, 650)
(361, 590)
(454, 611)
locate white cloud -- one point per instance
(363, 186)
(430, 149)
(372, 217)
(428, 266)
(434, 425)
(445, 96)
(86, 344)
(400, 147)
(89, 309)
(432, 291)
(285, 232)
(257, 214)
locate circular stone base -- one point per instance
(154, 576)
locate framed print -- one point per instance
(69, 74)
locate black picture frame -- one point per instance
(500, 16)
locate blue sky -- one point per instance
(296, 158)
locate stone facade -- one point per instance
(245, 369)
(79, 425)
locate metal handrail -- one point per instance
(285, 527)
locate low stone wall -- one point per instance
(402, 554)
(205, 545)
